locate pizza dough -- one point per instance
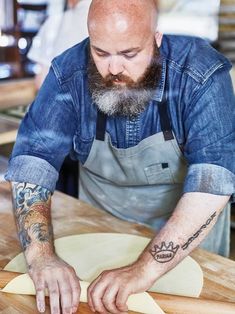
(92, 253)
(140, 302)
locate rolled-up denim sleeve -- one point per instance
(44, 137)
(34, 170)
(210, 137)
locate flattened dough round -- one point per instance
(92, 253)
(140, 302)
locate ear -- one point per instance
(158, 38)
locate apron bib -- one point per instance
(141, 184)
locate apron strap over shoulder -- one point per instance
(165, 121)
(100, 125)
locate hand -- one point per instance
(72, 3)
(61, 281)
(109, 292)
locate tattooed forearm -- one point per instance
(164, 253)
(31, 205)
(196, 234)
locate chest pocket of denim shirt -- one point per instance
(158, 174)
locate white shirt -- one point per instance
(189, 17)
(182, 17)
(60, 32)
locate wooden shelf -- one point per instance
(33, 7)
(17, 93)
(8, 130)
(17, 12)
(8, 137)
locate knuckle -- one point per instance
(67, 268)
(67, 310)
(76, 286)
(57, 271)
(53, 291)
(71, 270)
(39, 288)
(120, 304)
(66, 291)
(55, 310)
(94, 294)
(35, 275)
(75, 282)
(100, 310)
(108, 276)
(106, 300)
(105, 273)
(122, 307)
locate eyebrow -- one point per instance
(134, 49)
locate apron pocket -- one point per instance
(158, 174)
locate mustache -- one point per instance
(148, 79)
(128, 98)
(110, 80)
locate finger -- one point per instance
(65, 295)
(109, 299)
(121, 300)
(40, 295)
(96, 295)
(76, 292)
(90, 288)
(54, 297)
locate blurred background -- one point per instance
(33, 32)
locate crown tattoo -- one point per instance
(164, 253)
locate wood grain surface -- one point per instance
(71, 216)
(8, 130)
(17, 93)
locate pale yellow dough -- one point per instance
(92, 253)
(141, 302)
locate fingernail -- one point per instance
(41, 308)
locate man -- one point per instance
(193, 18)
(151, 121)
(57, 34)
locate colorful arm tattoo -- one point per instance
(31, 204)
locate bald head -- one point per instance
(123, 37)
(122, 16)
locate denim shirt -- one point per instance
(201, 105)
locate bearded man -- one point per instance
(151, 120)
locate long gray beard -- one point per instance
(125, 101)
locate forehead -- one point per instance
(119, 32)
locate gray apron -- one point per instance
(141, 184)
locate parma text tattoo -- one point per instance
(164, 253)
(32, 211)
(196, 234)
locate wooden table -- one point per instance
(71, 216)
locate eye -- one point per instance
(102, 54)
(130, 55)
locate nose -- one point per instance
(115, 65)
